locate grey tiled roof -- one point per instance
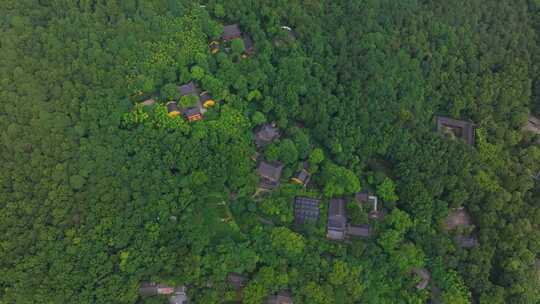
(188, 89)
(230, 32)
(303, 176)
(359, 230)
(266, 134)
(337, 219)
(270, 170)
(281, 298)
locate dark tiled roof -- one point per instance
(236, 280)
(359, 230)
(266, 134)
(248, 44)
(361, 197)
(303, 176)
(466, 241)
(188, 89)
(231, 32)
(462, 129)
(282, 298)
(306, 209)
(172, 107)
(337, 219)
(204, 97)
(192, 111)
(270, 171)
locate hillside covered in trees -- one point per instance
(112, 174)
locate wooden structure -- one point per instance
(231, 32)
(269, 173)
(249, 47)
(306, 209)
(302, 177)
(425, 277)
(214, 47)
(458, 128)
(265, 134)
(172, 109)
(337, 219)
(205, 99)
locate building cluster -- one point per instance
(270, 172)
(231, 32)
(195, 112)
(202, 102)
(338, 225)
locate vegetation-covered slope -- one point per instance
(98, 193)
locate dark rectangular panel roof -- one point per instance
(306, 209)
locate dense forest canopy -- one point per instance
(99, 192)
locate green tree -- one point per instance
(169, 92)
(387, 191)
(237, 46)
(287, 151)
(287, 242)
(188, 101)
(258, 118)
(197, 73)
